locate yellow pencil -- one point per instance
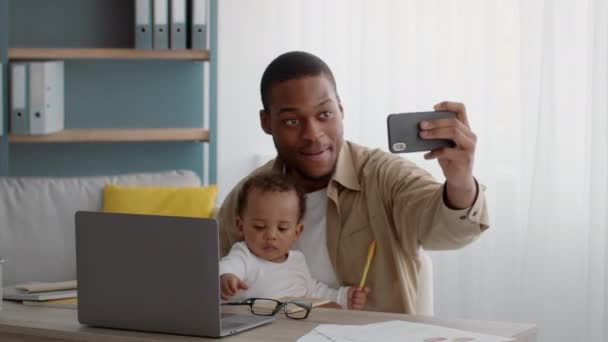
(370, 255)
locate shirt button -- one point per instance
(463, 217)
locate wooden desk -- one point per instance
(20, 323)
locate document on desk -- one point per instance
(395, 331)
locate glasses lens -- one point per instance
(264, 307)
(297, 309)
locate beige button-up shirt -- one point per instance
(377, 195)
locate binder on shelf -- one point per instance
(46, 100)
(19, 121)
(143, 24)
(161, 17)
(178, 25)
(199, 25)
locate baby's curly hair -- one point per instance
(270, 182)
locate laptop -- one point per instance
(152, 273)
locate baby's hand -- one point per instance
(357, 298)
(230, 284)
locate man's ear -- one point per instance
(265, 121)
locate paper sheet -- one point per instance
(43, 287)
(395, 331)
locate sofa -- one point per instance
(37, 219)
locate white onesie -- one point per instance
(267, 279)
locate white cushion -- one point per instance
(37, 219)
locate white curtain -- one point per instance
(533, 76)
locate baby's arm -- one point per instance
(357, 297)
(230, 284)
(317, 289)
(347, 297)
(233, 271)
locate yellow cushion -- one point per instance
(168, 201)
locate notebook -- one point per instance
(68, 303)
(13, 293)
(45, 287)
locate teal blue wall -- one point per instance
(103, 158)
(213, 79)
(131, 94)
(108, 94)
(71, 23)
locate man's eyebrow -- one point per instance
(287, 110)
(324, 102)
(294, 109)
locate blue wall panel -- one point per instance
(132, 94)
(213, 81)
(72, 23)
(103, 158)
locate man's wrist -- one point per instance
(457, 197)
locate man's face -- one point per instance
(304, 118)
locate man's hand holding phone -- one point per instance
(456, 162)
(451, 141)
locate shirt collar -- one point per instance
(345, 169)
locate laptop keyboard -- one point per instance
(231, 321)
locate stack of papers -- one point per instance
(395, 331)
(44, 287)
(41, 292)
(67, 303)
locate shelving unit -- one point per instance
(104, 53)
(122, 105)
(115, 135)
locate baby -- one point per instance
(269, 216)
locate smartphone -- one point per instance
(404, 129)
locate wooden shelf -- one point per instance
(75, 53)
(115, 135)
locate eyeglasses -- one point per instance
(295, 309)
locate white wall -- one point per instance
(241, 61)
(253, 33)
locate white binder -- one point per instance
(178, 25)
(46, 101)
(143, 24)
(199, 24)
(19, 115)
(161, 17)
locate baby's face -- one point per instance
(270, 223)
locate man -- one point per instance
(355, 194)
